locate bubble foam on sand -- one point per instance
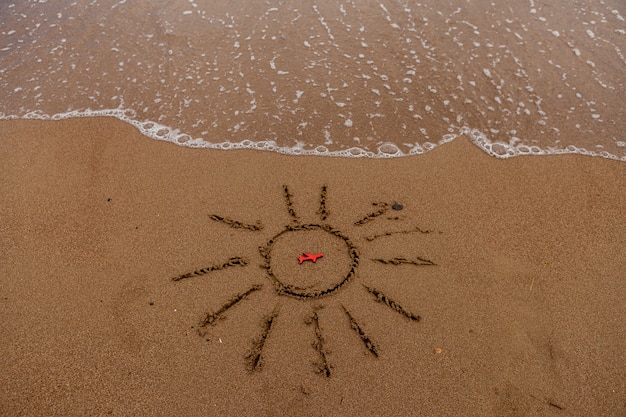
(164, 133)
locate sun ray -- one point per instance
(382, 208)
(210, 318)
(384, 299)
(254, 357)
(323, 211)
(236, 261)
(400, 232)
(399, 261)
(318, 344)
(369, 344)
(289, 202)
(237, 224)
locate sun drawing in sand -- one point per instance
(315, 276)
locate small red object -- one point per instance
(309, 257)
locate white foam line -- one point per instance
(165, 133)
(323, 22)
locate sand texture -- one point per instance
(140, 278)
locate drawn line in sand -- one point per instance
(400, 232)
(555, 405)
(237, 224)
(384, 299)
(400, 261)
(324, 367)
(382, 209)
(323, 211)
(369, 344)
(211, 318)
(288, 200)
(254, 358)
(235, 261)
(550, 402)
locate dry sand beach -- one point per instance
(515, 269)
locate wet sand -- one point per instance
(389, 78)
(515, 269)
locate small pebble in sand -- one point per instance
(438, 350)
(397, 206)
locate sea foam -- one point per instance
(165, 133)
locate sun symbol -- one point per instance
(315, 276)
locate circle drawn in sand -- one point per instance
(313, 282)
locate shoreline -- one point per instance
(520, 308)
(160, 132)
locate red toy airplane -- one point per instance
(309, 257)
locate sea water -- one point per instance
(348, 78)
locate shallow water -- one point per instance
(368, 78)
